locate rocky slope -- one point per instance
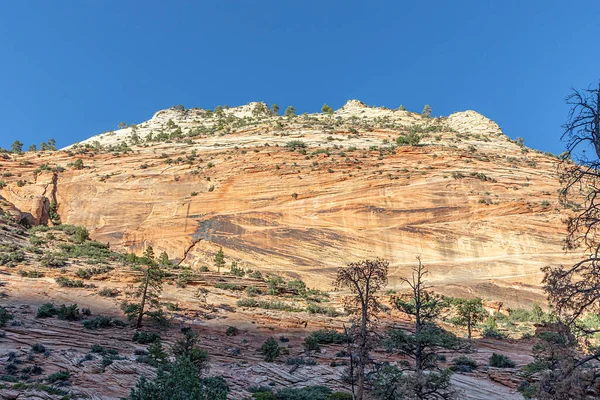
(34, 347)
(302, 195)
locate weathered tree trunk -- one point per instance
(143, 302)
(363, 351)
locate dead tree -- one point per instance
(575, 291)
(363, 279)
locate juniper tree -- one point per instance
(364, 279)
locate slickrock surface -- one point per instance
(69, 346)
(480, 209)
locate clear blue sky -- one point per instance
(71, 69)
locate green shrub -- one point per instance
(270, 349)
(38, 348)
(102, 322)
(228, 286)
(68, 313)
(52, 260)
(143, 337)
(311, 344)
(63, 281)
(268, 305)
(295, 144)
(5, 316)
(46, 311)
(252, 291)
(59, 376)
(314, 308)
(300, 361)
(411, 139)
(109, 292)
(80, 235)
(232, 331)
(501, 361)
(327, 336)
(464, 364)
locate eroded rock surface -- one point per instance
(479, 209)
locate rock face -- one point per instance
(301, 196)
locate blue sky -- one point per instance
(71, 69)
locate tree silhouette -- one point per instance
(363, 279)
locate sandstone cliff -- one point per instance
(302, 195)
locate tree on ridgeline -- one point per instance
(290, 111)
(274, 109)
(16, 147)
(326, 109)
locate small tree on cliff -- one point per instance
(145, 297)
(363, 279)
(426, 111)
(274, 109)
(290, 111)
(219, 260)
(16, 147)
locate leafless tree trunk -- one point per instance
(138, 324)
(575, 291)
(364, 279)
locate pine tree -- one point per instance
(274, 109)
(149, 254)
(219, 260)
(163, 259)
(146, 295)
(426, 111)
(469, 313)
